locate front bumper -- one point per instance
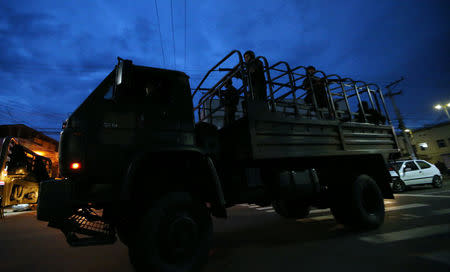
(55, 200)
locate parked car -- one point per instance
(413, 172)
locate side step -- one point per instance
(86, 228)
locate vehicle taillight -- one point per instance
(391, 169)
(75, 165)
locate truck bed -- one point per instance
(273, 135)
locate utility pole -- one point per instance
(401, 123)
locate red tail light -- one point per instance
(75, 165)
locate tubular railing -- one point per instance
(214, 90)
(269, 80)
(285, 91)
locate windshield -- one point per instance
(157, 86)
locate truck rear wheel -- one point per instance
(124, 233)
(291, 208)
(174, 235)
(359, 205)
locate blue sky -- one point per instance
(54, 53)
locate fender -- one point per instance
(218, 209)
(204, 168)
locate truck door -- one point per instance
(115, 124)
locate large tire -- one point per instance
(398, 186)
(124, 233)
(173, 236)
(291, 208)
(437, 182)
(360, 204)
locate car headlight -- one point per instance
(394, 179)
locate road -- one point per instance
(414, 237)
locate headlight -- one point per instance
(394, 178)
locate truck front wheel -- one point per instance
(359, 205)
(174, 235)
(291, 208)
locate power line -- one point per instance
(31, 68)
(185, 27)
(160, 35)
(173, 33)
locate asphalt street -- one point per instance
(414, 237)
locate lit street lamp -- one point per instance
(444, 107)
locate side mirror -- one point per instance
(407, 170)
(123, 77)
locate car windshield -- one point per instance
(395, 166)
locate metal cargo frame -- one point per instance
(284, 127)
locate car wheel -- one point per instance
(437, 182)
(398, 186)
(174, 235)
(359, 205)
(291, 208)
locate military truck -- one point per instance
(149, 159)
(21, 171)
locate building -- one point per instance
(431, 143)
(34, 140)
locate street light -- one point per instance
(440, 107)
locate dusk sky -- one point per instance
(54, 53)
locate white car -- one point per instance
(413, 172)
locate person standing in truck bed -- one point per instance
(255, 76)
(312, 82)
(229, 99)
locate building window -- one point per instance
(423, 146)
(441, 143)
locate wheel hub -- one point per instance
(369, 201)
(397, 186)
(182, 238)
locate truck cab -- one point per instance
(148, 113)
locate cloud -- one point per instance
(54, 55)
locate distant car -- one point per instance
(413, 172)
